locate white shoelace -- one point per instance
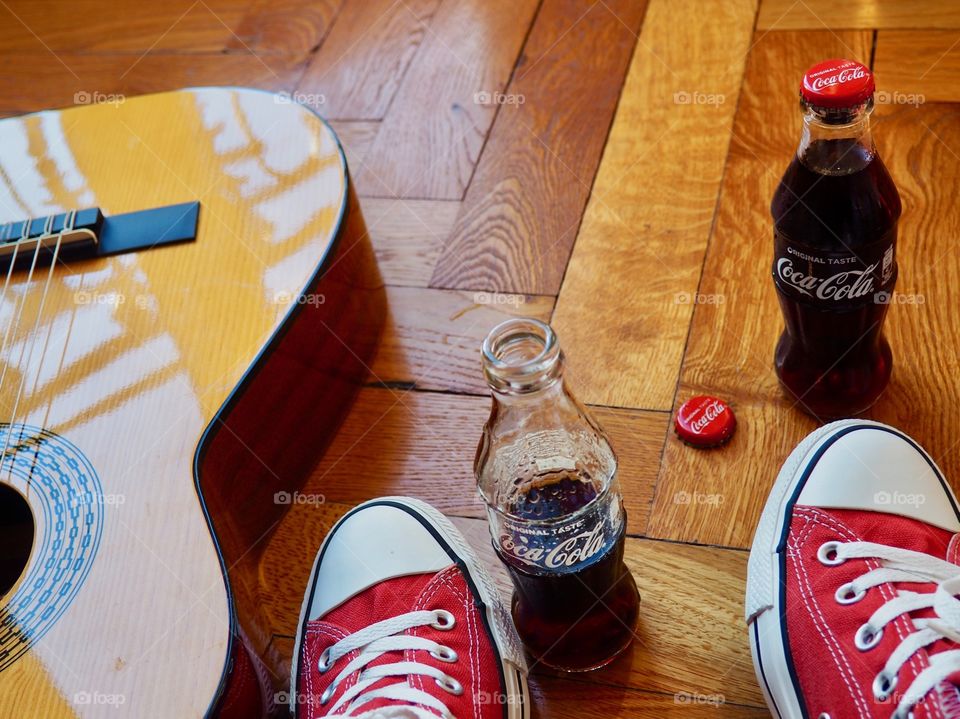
(903, 565)
(374, 641)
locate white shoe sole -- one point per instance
(764, 600)
(496, 618)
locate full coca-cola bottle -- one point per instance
(835, 218)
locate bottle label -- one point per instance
(835, 278)
(561, 545)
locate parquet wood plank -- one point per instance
(423, 444)
(918, 66)
(523, 208)
(691, 646)
(731, 345)
(641, 243)
(356, 138)
(117, 26)
(432, 338)
(78, 79)
(432, 136)
(292, 27)
(826, 14)
(361, 63)
(408, 236)
(559, 698)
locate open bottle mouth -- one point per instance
(521, 355)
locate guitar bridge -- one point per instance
(78, 234)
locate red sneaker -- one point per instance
(852, 580)
(401, 620)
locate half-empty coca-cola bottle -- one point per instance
(835, 218)
(549, 479)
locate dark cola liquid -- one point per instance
(579, 620)
(835, 269)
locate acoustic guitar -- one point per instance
(188, 301)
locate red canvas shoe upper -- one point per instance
(401, 620)
(466, 650)
(829, 600)
(853, 581)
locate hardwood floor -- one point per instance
(605, 165)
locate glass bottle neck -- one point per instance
(543, 395)
(836, 142)
(522, 357)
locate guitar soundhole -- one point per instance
(16, 536)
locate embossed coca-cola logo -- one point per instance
(566, 553)
(844, 285)
(848, 74)
(710, 413)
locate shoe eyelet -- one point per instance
(827, 554)
(883, 685)
(324, 664)
(445, 654)
(450, 684)
(867, 637)
(445, 620)
(847, 594)
(327, 693)
(824, 715)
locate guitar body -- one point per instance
(159, 403)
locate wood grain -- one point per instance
(471, 49)
(117, 26)
(408, 236)
(567, 699)
(292, 27)
(356, 138)
(522, 211)
(914, 67)
(67, 79)
(432, 338)
(285, 567)
(423, 444)
(825, 14)
(691, 649)
(361, 64)
(626, 295)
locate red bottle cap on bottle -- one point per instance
(837, 84)
(705, 421)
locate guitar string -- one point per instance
(33, 345)
(69, 222)
(23, 349)
(3, 299)
(25, 365)
(19, 304)
(13, 328)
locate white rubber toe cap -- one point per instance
(376, 543)
(877, 469)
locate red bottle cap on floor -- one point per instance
(705, 421)
(837, 84)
